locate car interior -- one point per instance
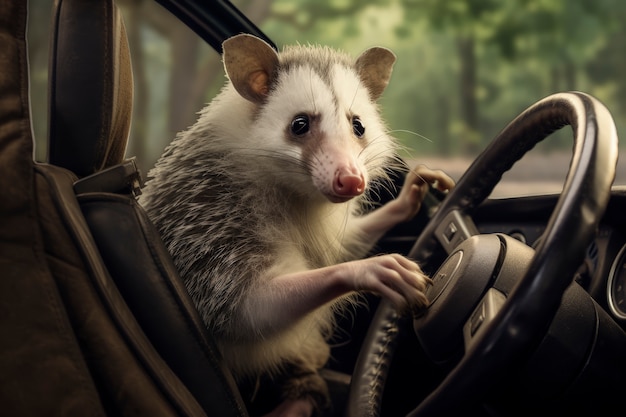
(526, 313)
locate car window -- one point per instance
(464, 70)
(175, 73)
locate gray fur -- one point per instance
(228, 212)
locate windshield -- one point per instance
(464, 70)
(467, 68)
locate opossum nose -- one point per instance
(348, 184)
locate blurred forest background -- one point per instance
(465, 67)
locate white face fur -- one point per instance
(315, 121)
(331, 142)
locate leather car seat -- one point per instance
(90, 87)
(83, 332)
(132, 251)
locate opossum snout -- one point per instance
(347, 184)
(337, 174)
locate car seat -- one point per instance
(94, 319)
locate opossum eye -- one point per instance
(300, 125)
(357, 127)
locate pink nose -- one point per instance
(348, 184)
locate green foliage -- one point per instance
(521, 51)
(465, 67)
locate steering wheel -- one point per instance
(494, 293)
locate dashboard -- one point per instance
(602, 273)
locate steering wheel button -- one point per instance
(478, 317)
(455, 228)
(450, 232)
(486, 310)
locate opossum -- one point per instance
(261, 205)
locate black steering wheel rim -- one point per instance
(525, 316)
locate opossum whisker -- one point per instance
(311, 89)
(373, 159)
(356, 91)
(411, 133)
(386, 185)
(382, 137)
(277, 155)
(397, 161)
(317, 158)
(407, 150)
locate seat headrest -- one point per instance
(90, 86)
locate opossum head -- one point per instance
(315, 114)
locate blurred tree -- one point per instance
(466, 21)
(562, 34)
(193, 68)
(465, 67)
(38, 43)
(141, 92)
(183, 50)
(306, 14)
(608, 67)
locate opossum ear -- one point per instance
(249, 63)
(374, 66)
